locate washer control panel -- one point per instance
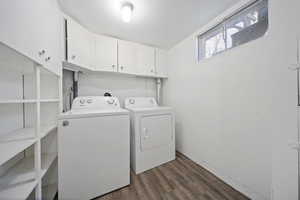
(96, 102)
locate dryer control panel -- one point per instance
(140, 102)
(96, 102)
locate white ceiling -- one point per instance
(160, 23)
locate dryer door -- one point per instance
(156, 131)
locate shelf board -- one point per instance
(21, 101)
(20, 180)
(49, 191)
(10, 149)
(17, 135)
(24, 170)
(26, 133)
(45, 130)
(20, 192)
(73, 67)
(17, 101)
(17, 141)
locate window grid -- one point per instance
(246, 25)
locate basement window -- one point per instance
(247, 24)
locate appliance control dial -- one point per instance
(82, 101)
(131, 101)
(110, 101)
(89, 101)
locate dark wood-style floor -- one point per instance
(181, 179)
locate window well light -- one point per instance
(126, 11)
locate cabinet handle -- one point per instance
(122, 67)
(47, 59)
(42, 52)
(73, 57)
(113, 66)
(146, 135)
(65, 123)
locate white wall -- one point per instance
(233, 108)
(121, 86)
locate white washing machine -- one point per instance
(93, 148)
(152, 133)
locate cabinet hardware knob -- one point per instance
(73, 57)
(65, 123)
(113, 66)
(42, 52)
(47, 59)
(122, 67)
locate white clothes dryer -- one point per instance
(152, 133)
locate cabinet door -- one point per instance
(156, 131)
(127, 57)
(79, 45)
(105, 53)
(145, 60)
(19, 26)
(32, 28)
(51, 29)
(161, 63)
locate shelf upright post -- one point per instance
(60, 85)
(37, 146)
(158, 90)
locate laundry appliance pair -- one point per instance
(98, 141)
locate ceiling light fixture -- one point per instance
(126, 11)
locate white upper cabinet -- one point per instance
(105, 53)
(145, 60)
(32, 28)
(127, 57)
(102, 53)
(19, 26)
(53, 35)
(80, 45)
(161, 63)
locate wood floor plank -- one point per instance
(181, 179)
(162, 179)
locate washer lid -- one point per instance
(140, 102)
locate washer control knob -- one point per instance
(89, 101)
(131, 101)
(111, 101)
(81, 101)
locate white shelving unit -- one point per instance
(18, 101)
(29, 105)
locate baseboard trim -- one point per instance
(228, 180)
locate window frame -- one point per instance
(224, 25)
